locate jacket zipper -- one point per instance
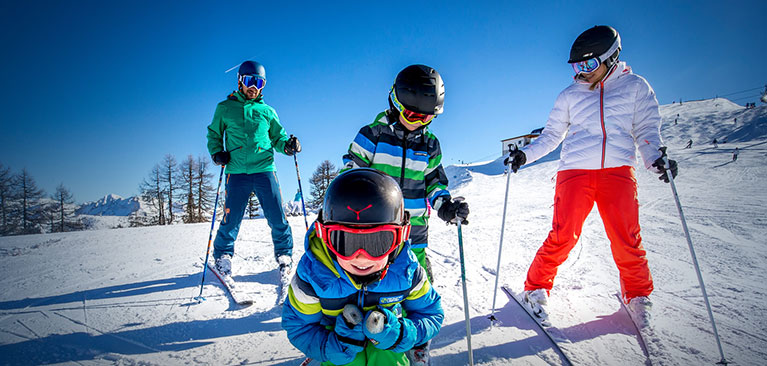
(602, 119)
(361, 297)
(404, 160)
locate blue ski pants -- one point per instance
(267, 189)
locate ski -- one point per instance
(237, 296)
(554, 343)
(640, 336)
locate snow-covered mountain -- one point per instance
(125, 296)
(110, 205)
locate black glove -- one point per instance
(452, 209)
(660, 165)
(221, 157)
(517, 158)
(292, 146)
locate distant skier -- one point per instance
(689, 144)
(596, 166)
(715, 143)
(735, 154)
(246, 121)
(359, 295)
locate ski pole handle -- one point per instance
(375, 322)
(352, 315)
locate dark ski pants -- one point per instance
(614, 190)
(267, 189)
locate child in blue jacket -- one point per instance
(358, 253)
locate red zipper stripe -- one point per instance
(602, 119)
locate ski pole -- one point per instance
(463, 282)
(199, 297)
(723, 361)
(300, 191)
(500, 245)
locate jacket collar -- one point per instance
(400, 131)
(618, 70)
(238, 96)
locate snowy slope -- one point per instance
(125, 296)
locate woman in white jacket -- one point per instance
(601, 119)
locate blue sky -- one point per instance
(95, 93)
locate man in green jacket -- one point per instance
(244, 134)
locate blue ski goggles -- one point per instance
(586, 66)
(251, 81)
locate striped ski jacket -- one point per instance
(413, 159)
(321, 288)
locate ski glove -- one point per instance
(660, 165)
(351, 341)
(292, 146)
(221, 157)
(398, 334)
(451, 209)
(516, 158)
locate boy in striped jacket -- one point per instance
(399, 144)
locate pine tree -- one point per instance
(29, 197)
(204, 190)
(323, 175)
(252, 206)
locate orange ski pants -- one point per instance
(614, 190)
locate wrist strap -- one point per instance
(401, 334)
(351, 341)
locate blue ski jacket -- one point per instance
(321, 288)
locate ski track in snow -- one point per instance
(125, 296)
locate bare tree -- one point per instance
(62, 208)
(168, 177)
(6, 194)
(186, 174)
(153, 192)
(203, 196)
(29, 197)
(323, 175)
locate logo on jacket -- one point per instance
(391, 299)
(358, 212)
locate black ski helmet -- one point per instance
(251, 68)
(601, 41)
(363, 196)
(419, 88)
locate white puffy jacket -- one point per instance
(602, 128)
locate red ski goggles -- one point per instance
(252, 81)
(586, 66)
(375, 242)
(410, 116)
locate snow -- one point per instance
(125, 296)
(110, 205)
